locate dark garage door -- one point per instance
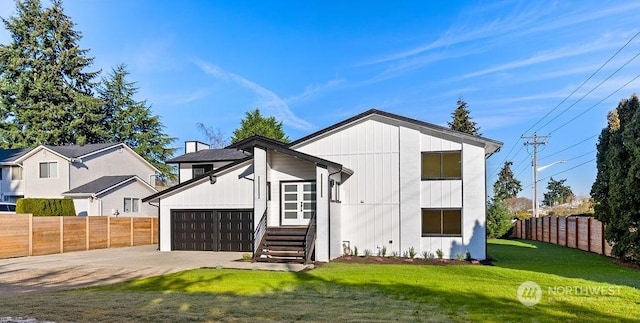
(236, 230)
(212, 230)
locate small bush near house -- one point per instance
(46, 207)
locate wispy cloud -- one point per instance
(560, 53)
(185, 98)
(315, 89)
(267, 100)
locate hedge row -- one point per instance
(46, 207)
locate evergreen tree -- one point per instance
(45, 91)
(506, 186)
(256, 124)
(615, 190)
(557, 192)
(462, 119)
(499, 219)
(131, 122)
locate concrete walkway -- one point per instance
(108, 266)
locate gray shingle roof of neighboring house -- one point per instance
(209, 155)
(99, 185)
(10, 155)
(74, 151)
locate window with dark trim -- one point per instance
(441, 222)
(442, 165)
(199, 170)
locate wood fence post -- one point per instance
(589, 234)
(557, 230)
(30, 234)
(131, 222)
(108, 231)
(87, 232)
(542, 231)
(577, 233)
(566, 231)
(602, 237)
(61, 234)
(151, 241)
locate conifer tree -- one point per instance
(462, 119)
(131, 122)
(255, 123)
(615, 190)
(45, 89)
(506, 186)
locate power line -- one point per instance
(567, 148)
(595, 105)
(590, 91)
(583, 83)
(565, 99)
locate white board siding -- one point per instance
(441, 194)
(232, 190)
(474, 200)
(370, 198)
(260, 184)
(430, 143)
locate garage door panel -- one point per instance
(212, 230)
(236, 230)
(194, 230)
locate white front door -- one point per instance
(298, 202)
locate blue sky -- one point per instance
(315, 63)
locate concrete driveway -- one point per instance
(108, 266)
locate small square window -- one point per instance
(441, 165)
(49, 170)
(131, 205)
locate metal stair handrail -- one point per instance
(259, 232)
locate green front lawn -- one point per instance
(587, 287)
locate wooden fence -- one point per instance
(26, 235)
(585, 233)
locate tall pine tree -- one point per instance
(131, 122)
(462, 119)
(45, 89)
(506, 186)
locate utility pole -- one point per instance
(535, 142)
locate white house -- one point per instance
(372, 181)
(102, 179)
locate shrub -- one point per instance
(468, 255)
(499, 219)
(412, 252)
(439, 254)
(394, 254)
(427, 255)
(383, 252)
(367, 253)
(355, 251)
(46, 207)
(459, 256)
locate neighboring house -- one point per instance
(102, 179)
(372, 181)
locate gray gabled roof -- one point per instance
(209, 155)
(75, 151)
(99, 185)
(10, 155)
